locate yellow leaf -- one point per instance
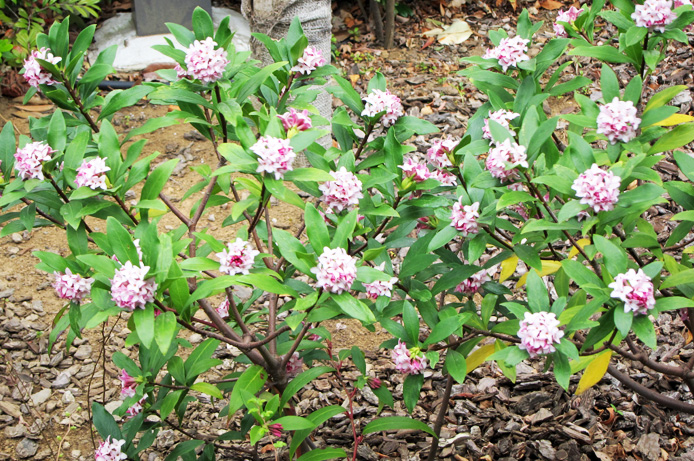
(508, 267)
(581, 243)
(594, 372)
(548, 268)
(477, 357)
(675, 119)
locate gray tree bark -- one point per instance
(273, 18)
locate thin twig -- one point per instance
(440, 418)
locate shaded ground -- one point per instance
(489, 418)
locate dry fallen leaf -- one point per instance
(550, 4)
(35, 108)
(354, 78)
(456, 3)
(454, 34)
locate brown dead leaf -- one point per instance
(550, 4)
(514, 4)
(430, 41)
(23, 114)
(35, 108)
(354, 78)
(689, 338)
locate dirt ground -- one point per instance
(491, 418)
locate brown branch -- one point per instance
(78, 101)
(441, 415)
(649, 393)
(642, 357)
(178, 213)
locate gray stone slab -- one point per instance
(150, 16)
(135, 53)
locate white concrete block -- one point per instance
(135, 53)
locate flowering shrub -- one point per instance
(568, 267)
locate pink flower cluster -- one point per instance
(503, 159)
(378, 101)
(295, 120)
(343, 193)
(110, 450)
(137, 407)
(29, 159)
(502, 117)
(444, 177)
(618, 121)
(275, 429)
(635, 289)
(406, 361)
(91, 174)
(472, 285)
(380, 288)
(72, 286)
(223, 309)
(679, 3)
(34, 73)
(569, 16)
(539, 332)
(311, 60)
(238, 258)
(509, 53)
(597, 188)
(437, 154)
(128, 383)
(415, 170)
(654, 14)
(129, 288)
(204, 61)
(275, 155)
(464, 217)
(336, 270)
(294, 365)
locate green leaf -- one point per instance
(121, 242)
(410, 392)
(294, 423)
(104, 422)
(165, 331)
(144, 325)
(609, 83)
(202, 24)
(316, 229)
(318, 417)
(644, 330)
(673, 302)
(681, 278)
(321, 454)
(679, 136)
(444, 328)
(57, 131)
(157, 179)
(664, 96)
(394, 423)
(614, 257)
(207, 388)
(538, 298)
(456, 365)
(301, 380)
(344, 231)
(512, 198)
(183, 448)
(257, 80)
(354, 308)
(603, 52)
(251, 381)
(623, 320)
(308, 174)
(358, 359)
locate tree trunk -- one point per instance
(273, 18)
